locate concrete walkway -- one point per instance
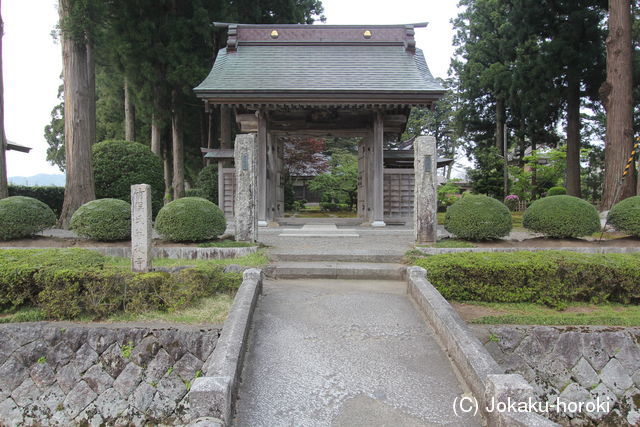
(344, 353)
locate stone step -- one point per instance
(318, 234)
(335, 270)
(351, 256)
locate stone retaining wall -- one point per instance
(66, 374)
(575, 364)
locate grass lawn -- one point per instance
(449, 243)
(257, 259)
(536, 314)
(208, 310)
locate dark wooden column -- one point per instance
(377, 146)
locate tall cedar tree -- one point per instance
(617, 97)
(76, 20)
(4, 192)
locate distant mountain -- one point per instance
(40, 180)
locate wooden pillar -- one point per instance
(262, 168)
(225, 126)
(377, 148)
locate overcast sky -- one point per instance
(32, 60)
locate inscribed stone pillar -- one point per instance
(262, 168)
(246, 203)
(424, 196)
(378, 171)
(141, 229)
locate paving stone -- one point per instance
(565, 348)
(112, 360)
(574, 393)
(593, 350)
(85, 357)
(12, 373)
(636, 378)
(602, 394)
(128, 379)
(78, 399)
(170, 341)
(42, 375)
(110, 405)
(629, 355)
(52, 398)
(633, 418)
(68, 376)
(612, 342)
(100, 339)
(90, 416)
(546, 335)
(187, 366)
(60, 354)
(143, 396)
(10, 413)
(529, 349)
(26, 393)
(145, 351)
(555, 373)
(30, 353)
(584, 374)
(7, 346)
(169, 392)
(158, 366)
(98, 379)
(615, 377)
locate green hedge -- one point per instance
(476, 217)
(556, 191)
(550, 277)
(625, 216)
(117, 165)
(190, 219)
(562, 216)
(207, 182)
(67, 283)
(22, 216)
(103, 220)
(51, 196)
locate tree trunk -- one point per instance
(4, 190)
(500, 126)
(616, 94)
(156, 124)
(79, 117)
(168, 173)
(129, 113)
(573, 135)
(178, 146)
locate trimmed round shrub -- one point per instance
(625, 216)
(190, 219)
(556, 191)
(22, 216)
(562, 216)
(208, 182)
(476, 217)
(103, 219)
(117, 165)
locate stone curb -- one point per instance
(213, 395)
(583, 250)
(170, 252)
(481, 373)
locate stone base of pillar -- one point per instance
(378, 224)
(263, 224)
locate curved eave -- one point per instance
(408, 98)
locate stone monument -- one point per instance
(425, 208)
(246, 203)
(141, 228)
